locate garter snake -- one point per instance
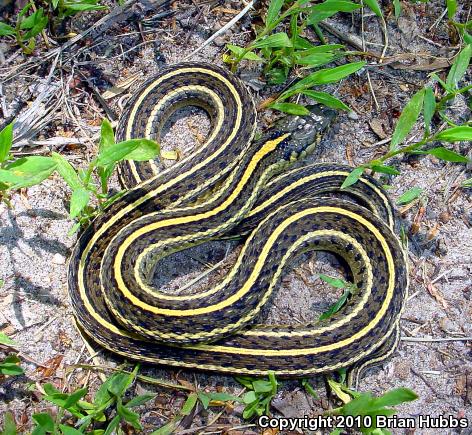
(235, 185)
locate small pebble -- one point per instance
(353, 115)
(445, 217)
(58, 259)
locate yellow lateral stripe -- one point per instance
(304, 180)
(155, 192)
(251, 314)
(333, 346)
(267, 148)
(147, 134)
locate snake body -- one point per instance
(235, 185)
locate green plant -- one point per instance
(368, 407)
(261, 392)
(33, 20)
(427, 103)
(82, 182)
(108, 401)
(349, 289)
(281, 52)
(10, 365)
(26, 28)
(28, 171)
(23, 172)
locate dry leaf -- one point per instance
(51, 366)
(434, 292)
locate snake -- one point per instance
(259, 188)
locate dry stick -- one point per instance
(423, 378)
(377, 106)
(231, 23)
(435, 340)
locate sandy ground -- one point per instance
(34, 246)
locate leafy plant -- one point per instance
(82, 183)
(368, 406)
(19, 173)
(281, 52)
(27, 27)
(261, 392)
(32, 20)
(349, 288)
(108, 400)
(28, 171)
(427, 103)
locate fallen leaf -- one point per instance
(51, 366)
(434, 292)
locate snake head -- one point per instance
(305, 131)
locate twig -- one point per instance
(433, 340)
(423, 378)
(231, 23)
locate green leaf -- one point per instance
(290, 108)
(326, 99)
(308, 388)
(120, 382)
(336, 306)
(374, 7)
(395, 397)
(40, 23)
(262, 386)
(128, 415)
(459, 67)
(315, 59)
(116, 152)
(67, 430)
(204, 399)
(429, 108)
(75, 397)
(189, 404)
(409, 196)
(44, 421)
(455, 134)
(10, 367)
(467, 183)
(277, 76)
(352, 178)
(397, 8)
(407, 119)
(66, 171)
(275, 40)
(113, 425)
(32, 170)
(107, 136)
(335, 282)
(146, 150)
(329, 8)
(273, 11)
(447, 155)
(6, 140)
(6, 30)
(167, 429)
(240, 50)
(78, 201)
(324, 76)
(4, 339)
(9, 426)
(249, 397)
(133, 149)
(77, 7)
(384, 169)
(451, 8)
(140, 400)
